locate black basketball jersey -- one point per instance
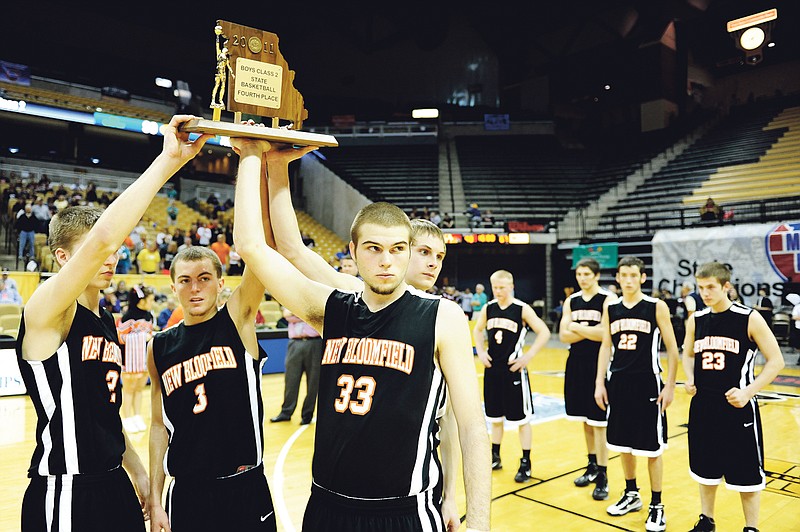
(77, 395)
(634, 336)
(506, 331)
(724, 354)
(588, 313)
(211, 394)
(379, 389)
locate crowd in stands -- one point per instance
(445, 222)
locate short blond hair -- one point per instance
(502, 275)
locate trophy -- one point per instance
(253, 77)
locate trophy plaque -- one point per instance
(253, 77)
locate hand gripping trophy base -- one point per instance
(271, 134)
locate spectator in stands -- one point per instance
(223, 251)
(187, 243)
(169, 255)
(42, 214)
(91, 194)
(172, 214)
(61, 203)
(710, 211)
(447, 222)
(465, 301)
(733, 295)
(223, 296)
(487, 220)
(348, 265)
(149, 259)
(203, 235)
(478, 298)
(474, 214)
(436, 218)
(124, 256)
(9, 296)
(235, 265)
(213, 199)
(764, 306)
(26, 225)
(10, 283)
(163, 317)
(307, 240)
(614, 289)
(110, 302)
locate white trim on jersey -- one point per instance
(253, 381)
(170, 430)
(419, 293)
(740, 309)
(655, 359)
(517, 352)
(423, 456)
(746, 375)
(427, 510)
(70, 439)
(49, 405)
(50, 502)
(65, 504)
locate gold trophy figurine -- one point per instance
(223, 63)
(253, 77)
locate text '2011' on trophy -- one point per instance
(253, 77)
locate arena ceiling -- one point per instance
(127, 44)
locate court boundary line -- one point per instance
(281, 509)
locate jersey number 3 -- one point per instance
(365, 386)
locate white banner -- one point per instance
(759, 256)
(10, 379)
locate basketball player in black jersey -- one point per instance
(70, 361)
(506, 386)
(581, 329)
(375, 463)
(428, 251)
(207, 412)
(725, 436)
(636, 398)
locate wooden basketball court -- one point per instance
(548, 502)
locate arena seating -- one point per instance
(733, 148)
(535, 179)
(407, 176)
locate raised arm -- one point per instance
(245, 299)
(668, 334)
(453, 346)
(305, 298)
(288, 240)
(542, 337)
(51, 301)
(159, 439)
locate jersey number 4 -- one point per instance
(365, 388)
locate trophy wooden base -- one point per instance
(285, 136)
